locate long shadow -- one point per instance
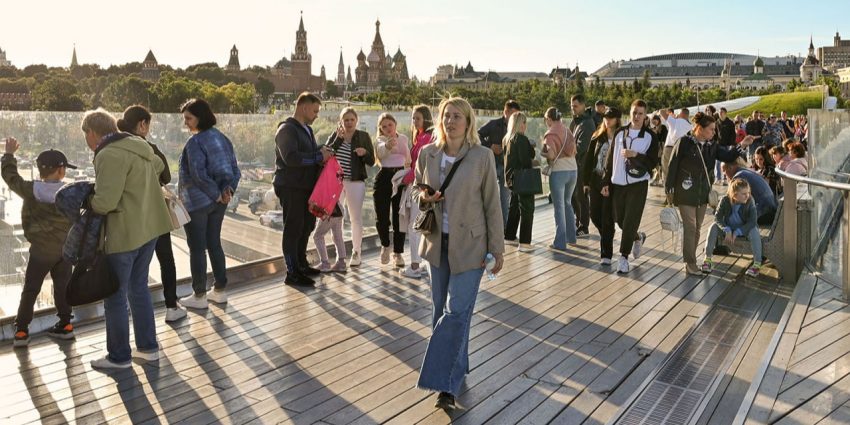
(170, 388)
(40, 395)
(81, 391)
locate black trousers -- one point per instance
(602, 215)
(520, 214)
(386, 208)
(628, 202)
(298, 224)
(40, 263)
(167, 269)
(581, 202)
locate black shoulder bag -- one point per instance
(92, 280)
(426, 220)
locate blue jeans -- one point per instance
(718, 174)
(203, 233)
(753, 236)
(132, 269)
(561, 186)
(453, 295)
(504, 193)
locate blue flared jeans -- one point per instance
(453, 295)
(561, 187)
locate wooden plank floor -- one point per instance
(556, 338)
(810, 373)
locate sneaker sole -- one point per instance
(21, 343)
(63, 337)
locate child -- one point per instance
(45, 229)
(333, 223)
(736, 216)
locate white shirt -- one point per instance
(633, 142)
(676, 128)
(445, 167)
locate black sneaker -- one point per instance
(309, 271)
(61, 331)
(582, 233)
(22, 338)
(298, 279)
(445, 401)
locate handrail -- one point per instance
(817, 182)
(790, 217)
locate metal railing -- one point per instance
(790, 242)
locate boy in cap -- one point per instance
(45, 229)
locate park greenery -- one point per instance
(88, 86)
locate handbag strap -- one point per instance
(451, 174)
(704, 168)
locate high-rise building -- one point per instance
(835, 56)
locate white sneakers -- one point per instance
(195, 301)
(105, 363)
(355, 259)
(605, 262)
(525, 247)
(385, 255)
(218, 296)
(411, 272)
(638, 245)
(623, 265)
(174, 314)
(399, 260)
(148, 357)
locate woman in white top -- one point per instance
(393, 153)
(560, 150)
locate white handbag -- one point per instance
(179, 214)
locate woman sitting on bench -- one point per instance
(736, 216)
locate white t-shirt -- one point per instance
(641, 145)
(445, 167)
(676, 128)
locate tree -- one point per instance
(331, 90)
(125, 91)
(57, 94)
(171, 91)
(264, 88)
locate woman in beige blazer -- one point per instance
(471, 212)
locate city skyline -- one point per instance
(461, 33)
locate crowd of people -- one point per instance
(599, 171)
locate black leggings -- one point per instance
(167, 269)
(386, 207)
(602, 216)
(628, 202)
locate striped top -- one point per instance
(343, 155)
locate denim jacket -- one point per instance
(207, 167)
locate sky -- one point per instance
(530, 35)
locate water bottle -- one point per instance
(489, 264)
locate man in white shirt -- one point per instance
(677, 126)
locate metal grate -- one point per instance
(684, 380)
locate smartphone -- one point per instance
(425, 188)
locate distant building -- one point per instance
(560, 76)
(811, 69)
(3, 60)
(731, 70)
(150, 67)
(233, 64)
(835, 56)
(295, 75)
(15, 101)
(843, 75)
(74, 62)
(467, 77)
(379, 68)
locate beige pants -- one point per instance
(691, 224)
(665, 161)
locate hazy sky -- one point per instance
(532, 35)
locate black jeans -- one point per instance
(203, 234)
(581, 203)
(520, 214)
(602, 215)
(298, 223)
(167, 270)
(40, 263)
(628, 202)
(386, 207)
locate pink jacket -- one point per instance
(557, 135)
(422, 138)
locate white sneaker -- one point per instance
(605, 262)
(174, 314)
(105, 363)
(623, 265)
(218, 296)
(638, 244)
(399, 260)
(324, 267)
(385, 255)
(194, 301)
(525, 247)
(355, 259)
(411, 272)
(148, 357)
(339, 267)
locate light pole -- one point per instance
(697, 89)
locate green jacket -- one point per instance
(44, 226)
(127, 191)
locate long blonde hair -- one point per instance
(514, 122)
(441, 138)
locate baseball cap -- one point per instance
(52, 159)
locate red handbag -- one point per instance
(327, 191)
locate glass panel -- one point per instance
(251, 229)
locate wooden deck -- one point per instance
(808, 380)
(555, 339)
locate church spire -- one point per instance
(74, 63)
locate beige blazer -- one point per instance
(472, 198)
